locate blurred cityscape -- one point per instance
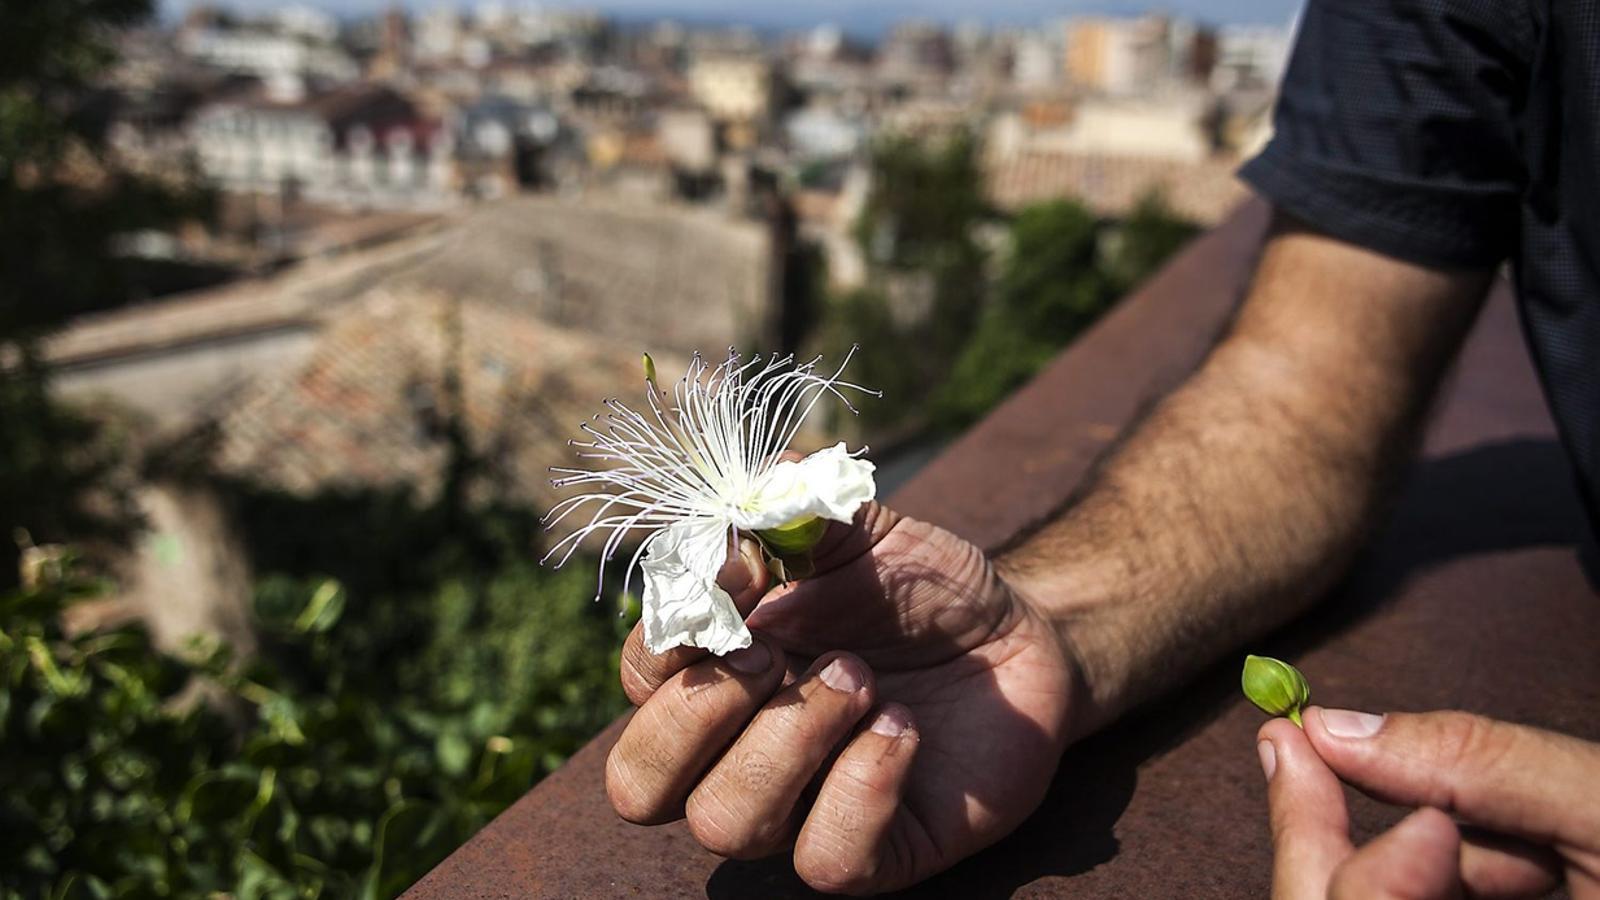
(643, 185)
(480, 218)
(422, 248)
(582, 189)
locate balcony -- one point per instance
(1474, 596)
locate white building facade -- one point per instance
(344, 151)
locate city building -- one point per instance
(1250, 56)
(269, 53)
(439, 35)
(1171, 126)
(916, 55)
(1036, 62)
(732, 88)
(1118, 56)
(360, 146)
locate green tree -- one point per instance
(926, 198)
(927, 279)
(63, 203)
(1049, 289)
(416, 672)
(1143, 242)
(1062, 271)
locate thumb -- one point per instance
(1310, 824)
(1419, 859)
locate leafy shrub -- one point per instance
(291, 778)
(949, 329)
(1064, 268)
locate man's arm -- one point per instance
(1242, 497)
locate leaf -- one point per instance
(400, 851)
(213, 799)
(454, 753)
(324, 609)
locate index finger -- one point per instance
(1510, 778)
(743, 576)
(1310, 825)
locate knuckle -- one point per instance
(637, 685)
(1472, 748)
(698, 708)
(721, 829)
(801, 725)
(627, 794)
(858, 780)
(1283, 831)
(1473, 743)
(755, 771)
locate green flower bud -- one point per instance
(1275, 686)
(787, 548)
(795, 538)
(649, 370)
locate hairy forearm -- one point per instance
(1241, 498)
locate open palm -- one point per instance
(911, 710)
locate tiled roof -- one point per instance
(1203, 191)
(368, 408)
(663, 278)
(299, 296)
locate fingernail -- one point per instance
(842, 675)
(1346, 723)
(892, 722)
(736, 574)
(752, 660)
(1269, 758)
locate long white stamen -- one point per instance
(694, 454)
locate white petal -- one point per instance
(683, 606)
(829, 484)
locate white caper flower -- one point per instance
(701, 467)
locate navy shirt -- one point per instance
(1461, 133)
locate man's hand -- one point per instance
(1531, 800)
(908, 706)
(899, 711)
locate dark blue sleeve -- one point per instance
(1396, 128)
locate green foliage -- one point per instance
(1143, 242)
(1049, 290)
(116, 780)
(946, 338)
(62, 202)
(415, 673)
(61, 472)
(62, 43)
(62, 205)
(926, 198)
(1063, 270)
(918, 230)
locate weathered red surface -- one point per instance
(1473, 597)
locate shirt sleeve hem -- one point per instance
(1405, 221)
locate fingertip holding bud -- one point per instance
(1276, 687)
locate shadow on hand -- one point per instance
(1493, 498)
